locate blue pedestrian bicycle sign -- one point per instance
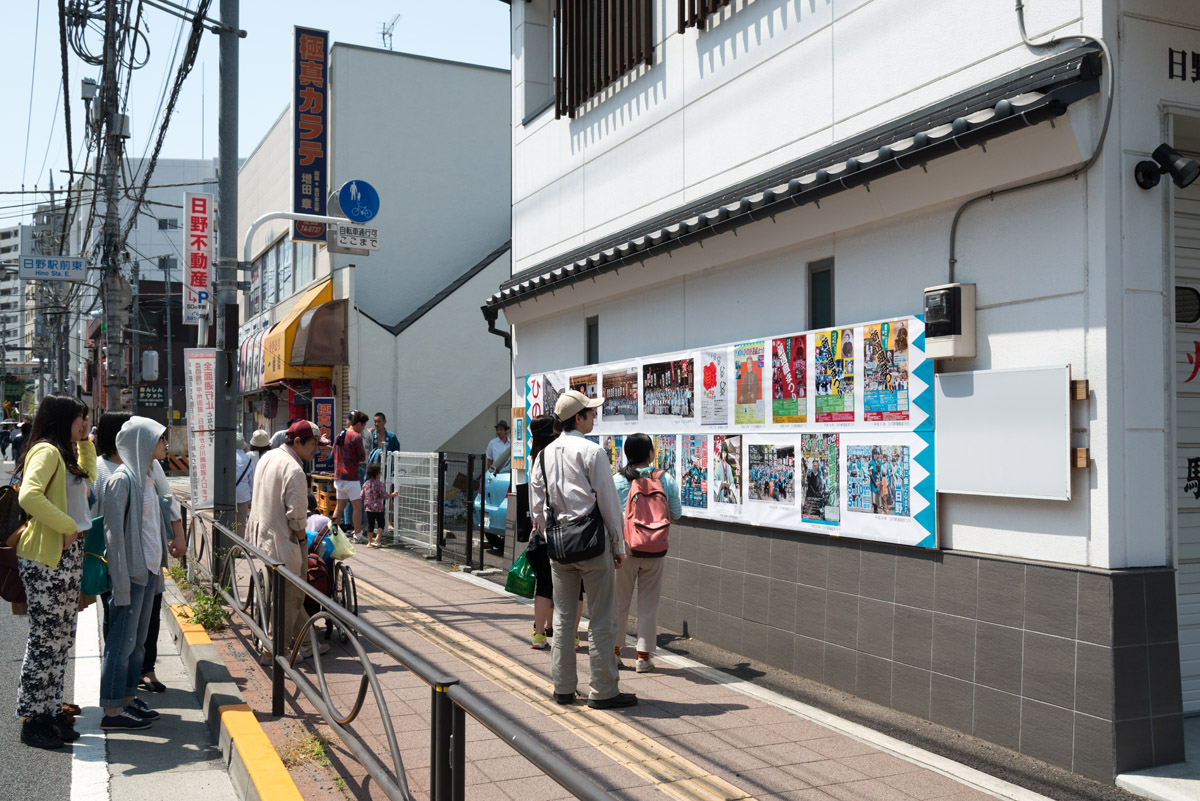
(359, 200)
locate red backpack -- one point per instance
(647, 515)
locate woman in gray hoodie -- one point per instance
(135, 534)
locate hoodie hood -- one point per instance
(136, 441)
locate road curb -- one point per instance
(254, 766)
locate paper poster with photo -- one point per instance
(885, 371)
(748, 361)
(819, 477)
(614, 448)
(587, 383)
(833, 375)
(725, 474)
(668, 390)
(789, 379)
(620, 387)
(714, 383)
(666, 455)
(890, 494)
(693, 489)
(878, 480)
(771, 473)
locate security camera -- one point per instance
(1166, 160)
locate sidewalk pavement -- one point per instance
(697, 733)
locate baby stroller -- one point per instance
(331, 577)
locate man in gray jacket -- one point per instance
(573, 477)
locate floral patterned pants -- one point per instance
(53, 595)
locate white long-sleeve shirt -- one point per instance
(578, 478)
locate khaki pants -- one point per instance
(598, 580)
(239, 522)
(647, 573)
(294, 614)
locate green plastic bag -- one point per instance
(520, 577)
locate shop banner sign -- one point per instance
(310, 130)
(197, 255)
(201, 377)
(325, 416)
(151, 395)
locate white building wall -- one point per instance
(1074, 273)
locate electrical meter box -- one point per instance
(950, 321)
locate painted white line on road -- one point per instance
(89, 756)
(970, 777)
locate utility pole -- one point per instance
(114, 334)
(225, 404)
(165, 263)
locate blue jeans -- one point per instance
(125, 646)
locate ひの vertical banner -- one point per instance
(197, 255)
(310, 130)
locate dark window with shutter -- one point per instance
(695, 13)
(596, 43)
(1187, 305)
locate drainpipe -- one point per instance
(491, 315)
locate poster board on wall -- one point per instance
(823, 431)
(1005, 433)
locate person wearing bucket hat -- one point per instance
(247, 460)
(572, 476)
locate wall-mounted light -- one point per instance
(1166, 160)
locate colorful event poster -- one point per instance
(552, 387)
(614, 447)
(584, 383)
(667, 389)
(714, 379)
(621, 394)
(725, 472)
(833, 371)
(748, 364)
(665, 455)
(693, 490)
(885, 371)
(819, 478)
(789, 379)
(877, 479)
(518, 438)
(772, 474)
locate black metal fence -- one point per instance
(462, 535)
(249, 581)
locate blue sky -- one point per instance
(474, 31)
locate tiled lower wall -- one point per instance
(1079, 668)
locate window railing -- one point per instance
(596, 43)
(695, 13)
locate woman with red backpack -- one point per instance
(650, 501)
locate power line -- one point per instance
(37, 21)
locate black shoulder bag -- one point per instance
(576, 540)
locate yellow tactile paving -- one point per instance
(669, 771)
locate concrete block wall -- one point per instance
(1077, 667)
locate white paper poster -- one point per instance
(201, 412)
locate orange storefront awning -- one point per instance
(278, 343)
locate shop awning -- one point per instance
(321, 336)
(277, 346)
(1034, 94)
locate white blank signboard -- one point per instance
(1004, 432)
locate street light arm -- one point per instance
(284, 215)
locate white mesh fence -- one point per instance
(414, 476)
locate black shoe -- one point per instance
(64, 727)
(618, 701)
(38, 732)
(140, 708)
(152, 686)
(564, 698)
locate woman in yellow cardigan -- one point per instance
(59, 466)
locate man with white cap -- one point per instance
(573, 476)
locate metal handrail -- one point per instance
(450, 701)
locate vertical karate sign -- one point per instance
(310, 130)
(201, 411)
(197, 256)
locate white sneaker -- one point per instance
(644, 665)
